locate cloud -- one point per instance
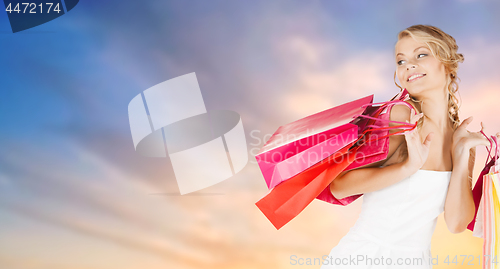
(98, 201)
(322, 80)
(479, 89)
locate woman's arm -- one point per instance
(369, 179)
(372, 177)
(459, 208)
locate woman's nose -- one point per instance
(410, 66)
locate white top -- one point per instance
(396, 222)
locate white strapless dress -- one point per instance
(395, 225)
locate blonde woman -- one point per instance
(427, 171)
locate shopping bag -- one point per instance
(477, 192)
(297, 146)
(491, 221)
(477, 230)
(290, 197)
(366, 153)
(487, 218)
(495, 223)
(377, 133)
(287, 199)
(288, 160)
(487, 201)
(478, 189)
(375, 147)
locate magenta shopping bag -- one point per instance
(296, 146)
(375, 147)
(299, 145)
(375, 123)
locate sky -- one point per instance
(75, 194)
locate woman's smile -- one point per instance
(415, 77)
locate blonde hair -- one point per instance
(444, 48)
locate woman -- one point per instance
(420, 178)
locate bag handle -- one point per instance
(496, 166)
(489, 150)
(404, 127)
(391, 134)
(383, 120)
(384, 105)
(491, 139)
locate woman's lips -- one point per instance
(417, 78)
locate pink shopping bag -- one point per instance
(296, 146)
(377, 147)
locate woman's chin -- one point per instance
(413, 90)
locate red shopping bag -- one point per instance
(289, 198)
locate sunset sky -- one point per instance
(75, 194)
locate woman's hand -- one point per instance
(464, 140)
(418, 151)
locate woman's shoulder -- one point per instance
(401, 112)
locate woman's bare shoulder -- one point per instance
(400, 112)
(397, 143)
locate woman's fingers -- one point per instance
(415, 118)
(408, 131)
(465, 122)
(428, 139)
(476, 138)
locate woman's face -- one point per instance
(413, 57)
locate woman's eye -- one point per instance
(399, 62)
